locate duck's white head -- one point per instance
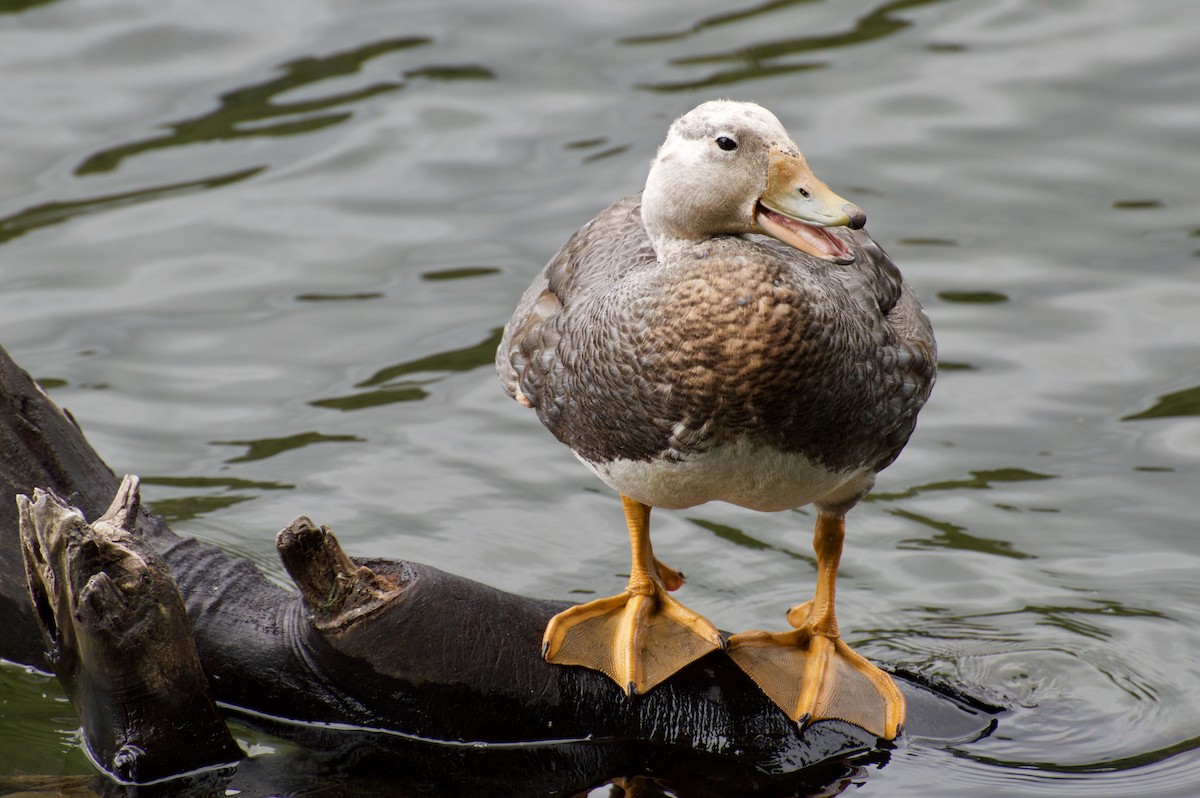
(731, 168)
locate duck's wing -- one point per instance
(591, 262)
(905, 357)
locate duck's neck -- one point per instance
(666, 245)
(680, 210)
(665, 236)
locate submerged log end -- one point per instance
(117, 632)
(336, 591)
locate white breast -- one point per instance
(740, 473)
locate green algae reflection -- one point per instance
(186, 508)
(775, 58)
(1171, 405)
(51, 213)
(393, 384)
(256, 110)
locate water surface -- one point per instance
(262, 251)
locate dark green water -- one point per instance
(262, 249)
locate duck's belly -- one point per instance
(742, 473)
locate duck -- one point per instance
(730, 333)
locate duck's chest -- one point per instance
(684, 361)
(742, 472)
(736, 325)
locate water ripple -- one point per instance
(385, 386)
(1171, 405)
(50, 213)
(262, 448)
(768, 59)
(256, 110)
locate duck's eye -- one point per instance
(726, 143)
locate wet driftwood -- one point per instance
(116, 633)
(367, 663)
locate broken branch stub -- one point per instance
(336, 591)
(116, 631)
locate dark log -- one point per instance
(40, 446)
(379, 662)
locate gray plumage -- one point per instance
(629, 355)
(739, 337)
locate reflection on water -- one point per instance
(178, 509)
(953, 536)
(979, 480)
(386, 388)
(1171, 405)
(351, 297)
(229, 483)
(951, 365)
(1072, 620)
(972, 297)
(1137, 204)
(14, 6)
(769, 59)
(739, 538)
(459, 274)
(465, 359)
(50, 213)
(189, 508)
(927, 241)
(599, 155)
(713, 22)
(373, 398)
(255, 110)
(269, 447)
(39, 724)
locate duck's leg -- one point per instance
(640, 637)
(809, 671)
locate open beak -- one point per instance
(796, 207)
